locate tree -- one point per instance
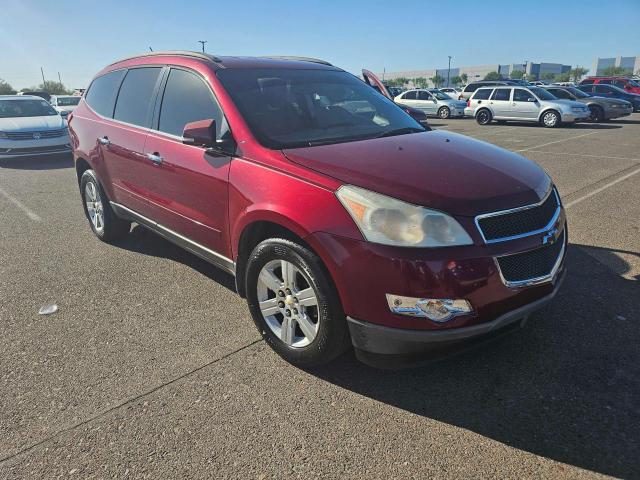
(53, 88)
(464, 78)
(456, 80)
(437, 80)
(516, 74)
(563, 77)
(493, 76)
(402, 81)
(616, 71)
(577, 73)
(420, 82)
(5, 88)
(548, 76)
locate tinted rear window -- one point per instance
(134, 100)
(101, 96)
(483, 94)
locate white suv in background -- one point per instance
(524, 104)
(65, 104)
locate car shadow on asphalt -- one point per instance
(566, 386)
(142, 240)
(44, 162)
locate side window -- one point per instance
(603, 89)
(187, 99)
(472, 87)
(501, 94)
(134, 100)
(588, 88)
(606, 81)
(619, 83)
(520, 95)
(482, 94)
(424, 96)
(101, 96)
(409, 96)
(559, 93)
(586, 82)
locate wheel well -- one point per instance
(81, 166)
(547, 111)
(251, 236)
(481, 109)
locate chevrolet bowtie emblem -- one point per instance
(551, 236)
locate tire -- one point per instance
(318, 330)
(483, 117)
(104, 223)
(597, 114)
(444, 112)
(550, 119)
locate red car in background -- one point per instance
(625, 83)
(343, 220)
(371, 79)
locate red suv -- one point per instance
(627, 84)
(343, 219)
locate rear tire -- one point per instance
(444, 112)
(483, 117)
(597, 114)
(294, 304)
(550, 119)
(104, 223)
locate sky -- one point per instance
(78, 38)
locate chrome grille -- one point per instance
(30, 135)
(519, 222)
(534, 266)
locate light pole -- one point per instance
(524, 73)
(202, 42)
(449, 70)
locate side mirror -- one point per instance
(201, 133)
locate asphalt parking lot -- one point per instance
(152, 365)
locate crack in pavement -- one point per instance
(126, 402)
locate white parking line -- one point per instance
(33, 216)
(585, 155)
(604, 187)
(557, 141)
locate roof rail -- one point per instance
(300, 59)
(182, 53)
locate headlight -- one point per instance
(388, 221)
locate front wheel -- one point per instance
(294, 303)
(596, 113)
(444, 112)
(483, 117)
(551, 119)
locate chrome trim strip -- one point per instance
(553, 220)
(538, 280)
(203, 252)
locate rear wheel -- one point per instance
(483, 117)
(444, 112)
(102, 219)
(597, 114)
(294, 304)
(550, 119)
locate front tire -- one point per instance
(597, 114)
(483, 117)
(104, 223)
(550, 119)
(444, 112)
(294, 303)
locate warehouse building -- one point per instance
(630, 63)
(478, 72)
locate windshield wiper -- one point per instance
(400, 131)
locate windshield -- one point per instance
(577, 93)
(633, 83)
(25, 108)
(542, 94)
(288, 108)
(440, 95)
(67, 101)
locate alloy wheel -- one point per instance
(288, 303)
(94, 206)
(550, 119)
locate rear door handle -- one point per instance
(155, 158)
(104, 140)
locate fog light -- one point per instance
(436, 309)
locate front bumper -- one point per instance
(576, 117)
(469, 112)
(380, 340)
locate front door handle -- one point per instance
(155, 158)
(104, 140)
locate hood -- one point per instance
(569, 103)
(454, 103)
(605, 100)
(440, 170)
(17, 124)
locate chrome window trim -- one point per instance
(550, 224)
(203, 252)
(537, 280)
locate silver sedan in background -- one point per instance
(433, 102)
